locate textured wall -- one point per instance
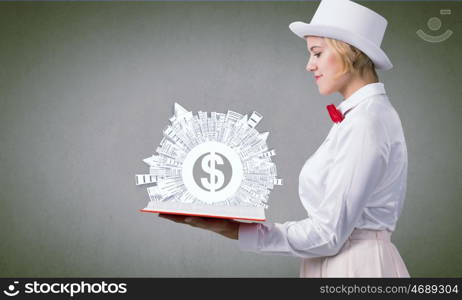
(85, 89)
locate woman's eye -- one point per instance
(318, 54)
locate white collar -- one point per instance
(361, 95)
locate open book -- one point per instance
(214, 211)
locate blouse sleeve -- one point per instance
(360, 163)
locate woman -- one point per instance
(353, 187)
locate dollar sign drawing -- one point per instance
(216, 178)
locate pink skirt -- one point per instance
(366, 253)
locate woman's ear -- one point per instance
(357, 54)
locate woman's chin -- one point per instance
(323, 92)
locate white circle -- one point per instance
(434, 23)
(236, 174)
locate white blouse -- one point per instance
(356, 179)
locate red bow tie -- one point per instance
(335, 114)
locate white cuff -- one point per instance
(248, 236)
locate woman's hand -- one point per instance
(227, 228)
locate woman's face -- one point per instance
(325, 64)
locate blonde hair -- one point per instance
(353, 60)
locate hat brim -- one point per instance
(378, 57)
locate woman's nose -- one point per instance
(310, 67)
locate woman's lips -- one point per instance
(317, 77)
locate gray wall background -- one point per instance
(86, 88)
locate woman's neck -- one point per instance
(355, 84)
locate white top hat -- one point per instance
(351, 23)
